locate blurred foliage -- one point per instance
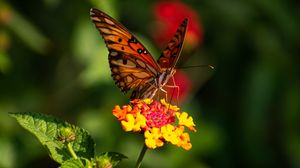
(247, 111)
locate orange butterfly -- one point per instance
(131, 64)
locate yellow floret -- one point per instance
(169, 106)
(186, 120)
(169, 134)
(152, 138)
(134, 123)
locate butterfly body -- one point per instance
(149, 90)
(131, 64)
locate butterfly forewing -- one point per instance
(131, 63)
(170, 54)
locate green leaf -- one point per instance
(48, 131)
(75, 163)
(109, 158)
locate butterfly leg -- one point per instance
(174, 88)
(150, 90)
(165, 92)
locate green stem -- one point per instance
(141, 156)
(72, 151)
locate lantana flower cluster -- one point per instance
(159, 121)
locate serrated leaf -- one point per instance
(47, 130)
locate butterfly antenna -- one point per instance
(197, 66)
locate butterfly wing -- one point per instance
(167, 62)
(145, 91)
(170, 54)
(130, 62)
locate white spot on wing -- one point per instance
(91, 12)
(113, 53)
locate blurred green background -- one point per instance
(247, 111)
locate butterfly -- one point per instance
(131, 64)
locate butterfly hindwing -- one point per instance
(170, 54)
(166, 61)
(131, 63)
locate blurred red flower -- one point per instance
(184, 84)
(168, 16)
